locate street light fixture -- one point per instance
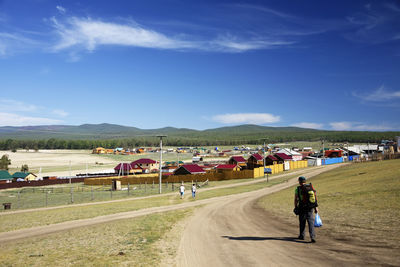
(264, 157)
(159, 182)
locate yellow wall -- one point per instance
(298, 164)
(30, 177)
(211, 176)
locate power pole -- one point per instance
(69, 172)
(264, 157)
(161, 137)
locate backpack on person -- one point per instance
(308, 198)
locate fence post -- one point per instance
(91, 191)
(72, 195)
(166, 184)
(152, 185)
(145, 186)
(173, 186)
(111, 191)
(47, 195)
(128, 188)
(19, 192)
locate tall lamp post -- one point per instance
(264, 157)
(159, 182)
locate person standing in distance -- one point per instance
(182, 190)
(305, 202)
(193, 191)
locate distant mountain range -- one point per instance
(107, 131)
(232, 133)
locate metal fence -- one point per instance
(38, 197)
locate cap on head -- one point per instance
(302, 179)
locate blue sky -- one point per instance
(201, 64)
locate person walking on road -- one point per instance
(193, 191)
(305, 204)
(182, 190)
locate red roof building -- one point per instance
(227, 167)
(146, 164)
(144, 161)
(126, 168)
(255, 161)
(271, 160)
(333, 153)
(237, 160)
(189, 169)
(283, 157)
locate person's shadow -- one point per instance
(259, 238)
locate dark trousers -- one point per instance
(307, 216)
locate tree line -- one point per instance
(206, 140)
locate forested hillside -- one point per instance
(89, 136)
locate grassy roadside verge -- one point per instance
(358, 202)
(131, 242)
(59, 195)
(46, 217)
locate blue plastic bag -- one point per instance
(317, 221)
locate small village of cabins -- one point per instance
(236, 167)
(230, 165)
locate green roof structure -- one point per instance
(20, 175)
(5, 175)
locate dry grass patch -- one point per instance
(359, 202)
(131, 242)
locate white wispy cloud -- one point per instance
(376, 24)
(311, 125)
(14, 105)
(11, 43)
(252, 118)
(11, 119)
(232, 43)
(89, 33)
(266, 10)
(60, 113)
(392, 6)
(61, 9)
(379, 95)
(359, 126)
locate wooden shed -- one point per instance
(282, 157)
(271, 160)
(255, 161)
(238, 160)
(189, 169)
(227, 167)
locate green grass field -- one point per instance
(359, 201)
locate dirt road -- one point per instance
(236, 232)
